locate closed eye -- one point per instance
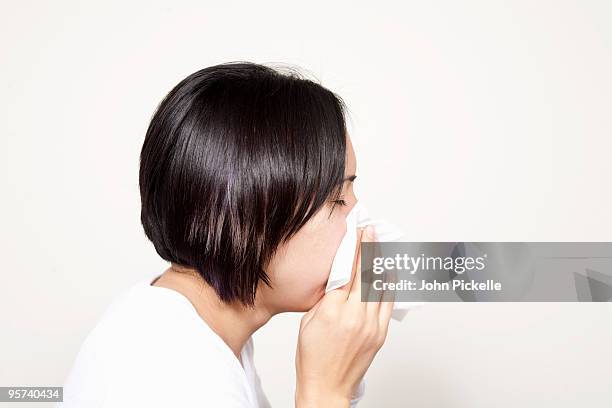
(340, 201)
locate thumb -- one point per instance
(309, 315)
(369, 234)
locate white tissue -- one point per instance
(342, 265)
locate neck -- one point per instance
(234, 323)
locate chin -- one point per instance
(316, 297)
(309, 303)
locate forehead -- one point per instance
(351, 159)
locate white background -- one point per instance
(473, 120)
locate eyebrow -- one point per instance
(350, 178)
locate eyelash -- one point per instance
(340, 201)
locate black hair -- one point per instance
(236, 159)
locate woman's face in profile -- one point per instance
(300, 268)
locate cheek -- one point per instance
(327, 243)
(322, 237)
(303, 267)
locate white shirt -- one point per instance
(152, 349)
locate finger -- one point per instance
(355, 292)
(386, 310)
(373, 296)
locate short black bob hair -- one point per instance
(236, 159)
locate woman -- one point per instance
(246, 180)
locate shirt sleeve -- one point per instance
(262, 399)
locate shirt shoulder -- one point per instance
(150, 348)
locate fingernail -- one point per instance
(369, 231)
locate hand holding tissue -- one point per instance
(342, 264)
